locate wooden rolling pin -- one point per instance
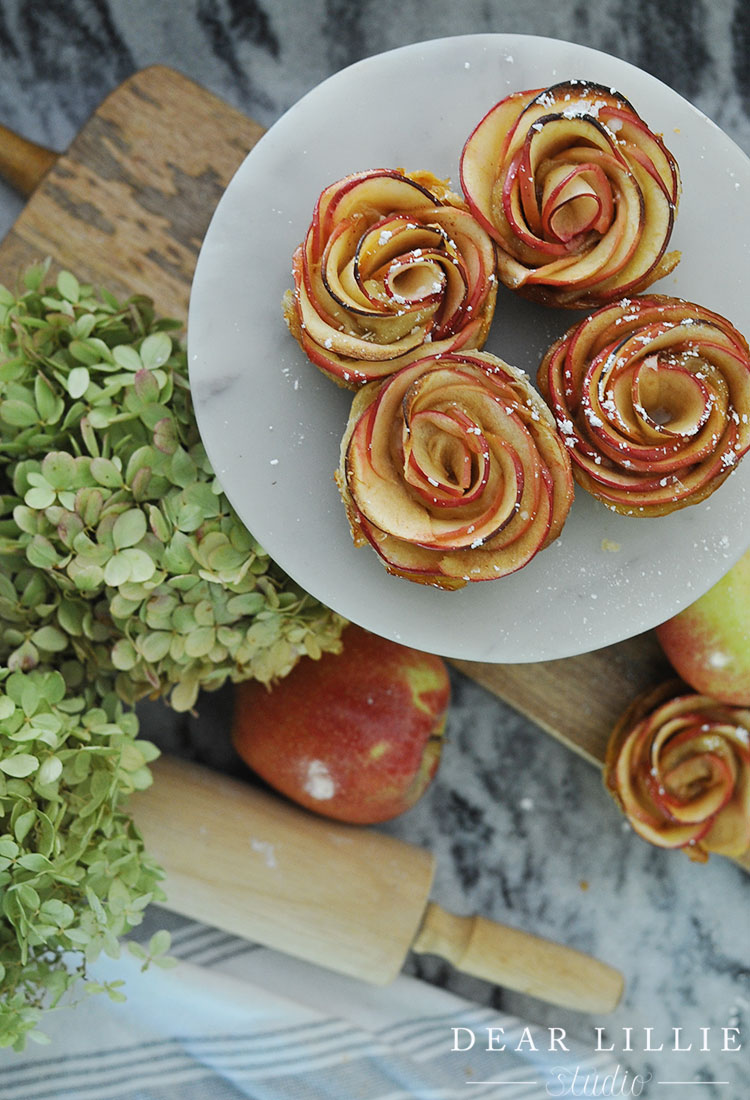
(351, 899)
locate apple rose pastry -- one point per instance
(678, 765)
(390, 263)
(652, 395)
(453, 471)
(577, 191)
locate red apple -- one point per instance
(355, 736)
(709, 642)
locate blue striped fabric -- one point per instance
(237, 1022)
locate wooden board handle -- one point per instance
(23, 163)
(520, 961)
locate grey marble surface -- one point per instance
(522, 829)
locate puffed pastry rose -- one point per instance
(579, 194)
(392, 264)
(652, 395)
(453, 471)
(678, 765)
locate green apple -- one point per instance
(709, 642)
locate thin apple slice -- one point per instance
(575, 199)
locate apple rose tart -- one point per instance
(391, 263)
(576, 190)
(652, 395)
(452, 469)
(678, 765)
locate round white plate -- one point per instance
(272, 423)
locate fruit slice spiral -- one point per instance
(678, 764)
(453, 471)
(391, 263)
(652, 395)
(576, 190)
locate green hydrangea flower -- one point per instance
(124, 573)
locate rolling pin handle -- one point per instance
(520, 961)
(23, 163)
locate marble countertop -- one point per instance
(522, 829)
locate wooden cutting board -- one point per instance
(127, 206)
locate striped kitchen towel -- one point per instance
(232, 1020)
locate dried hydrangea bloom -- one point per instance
(678, 765)
(391, 263)
(652, 395)
(576, 190)
(453, 471)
